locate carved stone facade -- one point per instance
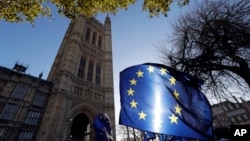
(23, 101)
(82, 74)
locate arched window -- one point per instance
(98, 74)
(81, 128)
(81, 68)
(87, 34)
(100, 41)
(94, 38)
(90, 71)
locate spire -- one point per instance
(40, 75)
(107, 20)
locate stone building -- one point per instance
(78, 87)
(230, 113)
(82, 74)
(23, 100)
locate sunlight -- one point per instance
(158, 111)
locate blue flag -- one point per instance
(148, 136)
(102, 127)
(171, 138)
(160, 99)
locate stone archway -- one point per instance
(82, 117)
(80, 128)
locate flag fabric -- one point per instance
(160, 99)
(102, 127)
(171, 138)
(148, 136)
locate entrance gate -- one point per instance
(81, 128)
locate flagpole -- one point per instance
(141, 134)
(134, 134)
(128, 133)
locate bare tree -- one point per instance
(129, 134)
(212, 42)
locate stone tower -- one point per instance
(82, 74)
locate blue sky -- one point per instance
(134, 35)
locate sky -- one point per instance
(134, 37)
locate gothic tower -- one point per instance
(82, 74)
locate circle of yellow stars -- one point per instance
(133, 104)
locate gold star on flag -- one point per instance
(130, 91)
(133, 81)
(172, 80)
(142, 115)
(139, 73)
(150, 69)
(133, 104)
(176, 94)
(163, 71)
(177, 109)
(173, 119)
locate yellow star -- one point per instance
(150, 69)
(163, 71)
(139, 73)
(133, 104)
(172, 80)
(176, 94)
(177, 109)
(133, 81)
(173, 119)
(142, 115)
(130, 91)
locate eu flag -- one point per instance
(148, 136)
(160, 99)
(102, 127)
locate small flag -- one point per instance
(102, 127)
(160, 99)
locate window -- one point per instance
(20, 91)
(90, 71)
(88, 93)
(224, 107)
(3, 133)
(87, 133)
(232, 119)
(230, 106)
(245, 116)
(40, 99)
(25, 136)
(87, 35)
(81, 68)
(78, 90)
(9, 111)
(98, 74)
(94, 38)
(32, 117)
(237, 105)
(97, 96)
(239, 118)
(100, 41)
